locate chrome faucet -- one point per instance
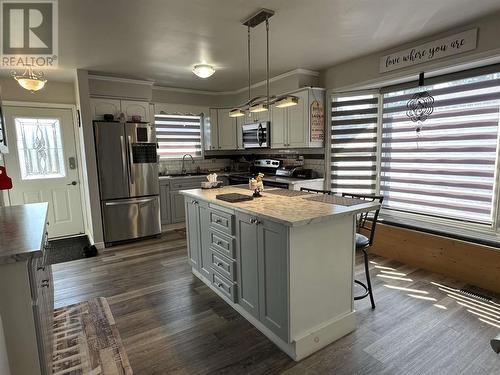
(183, 169)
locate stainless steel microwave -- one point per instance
(257, 135)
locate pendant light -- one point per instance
(30, 80)
(287, 101)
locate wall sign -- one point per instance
(317, 121)
(449, 46)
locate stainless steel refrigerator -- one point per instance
(127, 165)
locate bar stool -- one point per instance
(368, 225)
(317, 191)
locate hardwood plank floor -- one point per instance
(171, 323)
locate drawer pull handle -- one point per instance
(45, 283)
(42, 268)
(219, 243)
(255, 221)
(219, 285)
(218, 221)
(218, 264)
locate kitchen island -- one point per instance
(284, 261)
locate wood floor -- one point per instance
(171, 323)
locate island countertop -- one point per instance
(289, 210)
(22, 231)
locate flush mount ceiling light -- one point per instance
(203, 70)
(30, 80)
(236, 112)
(287, 101)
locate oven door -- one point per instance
(256, 135)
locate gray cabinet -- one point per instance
(227, 127)
(193, 232)
(273, 277)
(165, 203)
(262, 251)
(177, 213)
(247, 260)
(200, 237)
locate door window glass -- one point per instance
(39, 145)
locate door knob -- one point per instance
(72, 183)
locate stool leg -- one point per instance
(368, 281)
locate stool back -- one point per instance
(364, 221)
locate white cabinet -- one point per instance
(292, 127)
(227, 127)
(102, 106)
(134, 108)
(223, 132)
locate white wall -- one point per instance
(53, 92)
(364, 71)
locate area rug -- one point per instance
(87, 342)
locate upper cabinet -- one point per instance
(298, 126)
(223, 132)
(102, 106)
(302, 125)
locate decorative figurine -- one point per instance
(257, 185)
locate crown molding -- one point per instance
(279, 77)
(121, 80)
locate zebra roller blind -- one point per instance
(178, 135)
(448, 168)
(354, 143)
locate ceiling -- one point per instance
(160, 40)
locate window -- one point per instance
(39, 146)
(178, 135)
(445, 170)
(354, 143)
(448, 168)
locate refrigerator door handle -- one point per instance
(128, 201)
(131, 158)
(124, 156)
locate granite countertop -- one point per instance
(22, 231)
(286, 180)
(291, 211)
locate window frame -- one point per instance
(472, 230)
(202, 134)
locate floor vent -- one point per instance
(474, 294)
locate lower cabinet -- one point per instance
(177, 214)
(248, 263)
(262, 252)
(198, 236)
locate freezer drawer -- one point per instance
(126, 219)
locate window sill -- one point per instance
(487, 237)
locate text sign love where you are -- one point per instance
(449, 46)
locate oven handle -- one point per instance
(259, 133)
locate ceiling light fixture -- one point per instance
(261, 103)
(287, 101)
(256, 108)
(236, 112)
(203, 70)
(30, 80)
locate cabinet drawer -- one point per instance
(221, 243)
(223, 265)
(225, 286)
(222, 221)
(186, 184)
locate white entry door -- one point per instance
(43, 166)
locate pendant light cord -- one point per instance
(267, 67)
(249, 70)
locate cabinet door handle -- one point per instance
(45, 283)
(255, 221)
(40, 268)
